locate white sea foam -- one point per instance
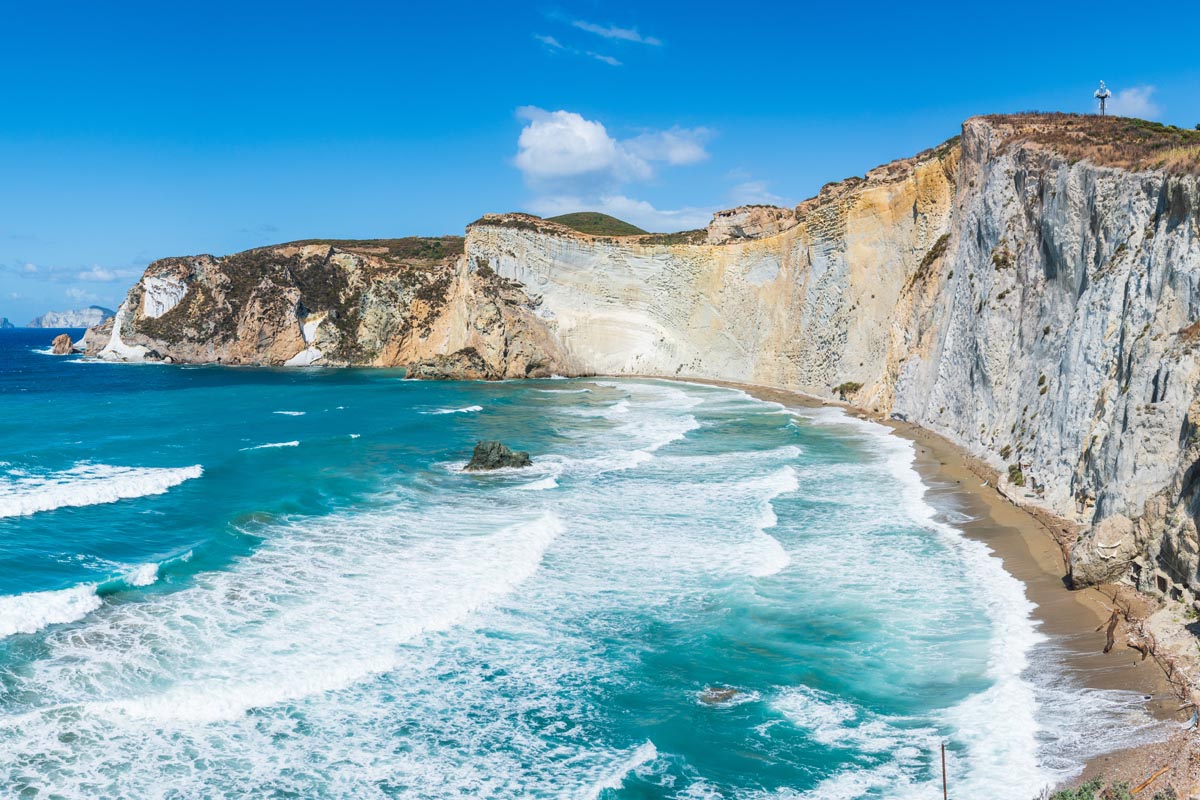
(463, 410)
(641, 756)
(563, 391)
(23, 493)
(539, 486)
(290, 413)
(355, 435)
(144, 575)
(270, 445)
(838, 723)
(351, 589)
(774, 557)
(33, 611)
(614, 411)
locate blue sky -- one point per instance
(133, 131)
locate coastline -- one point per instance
(1030, 544)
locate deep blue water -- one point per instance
(222, 582)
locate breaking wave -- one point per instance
(85, 484)
(463, 410)
(271, 445)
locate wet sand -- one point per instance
(1025, 541)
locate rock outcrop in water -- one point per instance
(62, 345)
(1030, 290)
(491, 455)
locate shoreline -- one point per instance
(1027, 542)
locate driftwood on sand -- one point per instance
(1110, 636)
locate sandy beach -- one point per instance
(1028, 542)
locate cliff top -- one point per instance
(1123, 142)
(896, 170)
(409, 248)
(531, 222)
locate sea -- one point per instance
(280, 583)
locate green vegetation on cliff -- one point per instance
(597, 224)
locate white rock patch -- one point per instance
(309, 327)
(162, 293)
(117, 350)
(306, 357)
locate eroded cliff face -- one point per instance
(807, 307)
(1040, 310)
(387, 303)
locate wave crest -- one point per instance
(86, 485)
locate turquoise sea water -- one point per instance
(264, 583)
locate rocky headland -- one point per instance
(1030, 290)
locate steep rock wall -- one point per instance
(1063, 346)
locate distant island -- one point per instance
(5, 324)
(80, 318)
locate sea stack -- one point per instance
(62, 345)
(496, 455)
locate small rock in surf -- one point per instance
(718, 695)
(496, 455)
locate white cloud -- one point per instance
(575, 164)
(676, 146)
(612, 62)
(98, 274)
(613, 32)
(639, 212)
(554, 45)
(70, 274)
(75, 293)
(1134, 102)
(562, 144)
(559, 145)
(756, 193)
